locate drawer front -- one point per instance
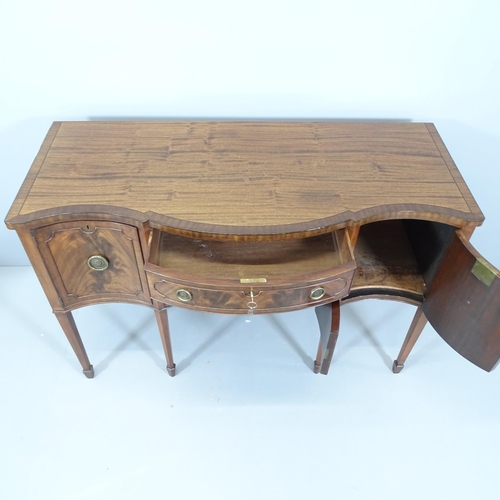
(267, 300)
(94, 261)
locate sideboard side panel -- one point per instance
(38, 263)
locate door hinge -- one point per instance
(484, 271)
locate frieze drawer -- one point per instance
(233, 301)
(242, 276)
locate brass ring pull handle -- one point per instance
(98, 262)
(184, 295)
(317, 293)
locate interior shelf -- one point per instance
(386, 264)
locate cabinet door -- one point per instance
(463, 303)
(73, 252)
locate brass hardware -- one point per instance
(98, 262)
(317, 293)
(484, 271)
(183, 295)
(253, 280)
(252, 305)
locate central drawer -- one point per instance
(242, 276)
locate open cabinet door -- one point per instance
(462, 303)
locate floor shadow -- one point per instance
(367, 333)
(291, 341)
(209, 341)
(133, 336)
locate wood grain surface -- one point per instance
(66, 248)
(229, 260)
(247, 177)
(464, 306)
(385, 262)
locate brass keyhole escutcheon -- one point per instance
(98, 262)
(183, 295)
(317, 293)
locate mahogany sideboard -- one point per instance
(258, 217)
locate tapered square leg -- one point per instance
(416, 327)
(162, 320)
(329, 322)
(70, 330)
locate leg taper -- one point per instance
(416, 327)
(162, 320)
(329, 323)
(70, 330)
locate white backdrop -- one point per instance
(431, 60)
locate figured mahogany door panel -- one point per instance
(94, 261)
(463, 303)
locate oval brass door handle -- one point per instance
(98, 262)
